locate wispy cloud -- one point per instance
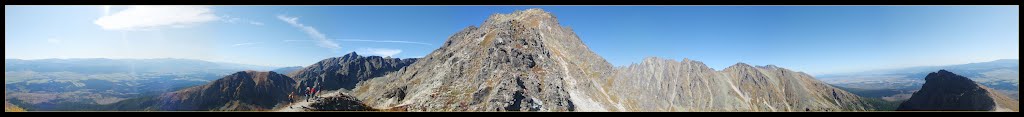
(320, 38)
(290, 40)
(385, 41)
(235, 20)
(243, 44)
(379, 51)
(154, 17)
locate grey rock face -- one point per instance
(340, 103)
(346, 71)
(665, 85)
(525, 61)
(513, 62)
(945, 91)
(241, 91)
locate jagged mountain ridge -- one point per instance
(347, 71)
(525, 61)
(946, 91)
(659, 84)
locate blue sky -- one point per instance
(813, 39)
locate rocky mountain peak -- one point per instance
(769, 67)
(350, 56)
(520, 61)
(943, 76)
(738, 66)
(946, 91)
(527, 16)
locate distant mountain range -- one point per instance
(109, 66)
(262, 91)
(70, 84)
(946, 91)
(897, 84)
(287, 70)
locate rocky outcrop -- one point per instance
(347, 71)
(525, 61)
(340, 102)
(241, 91)
(945, 91)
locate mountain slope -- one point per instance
(347, 71)
(525, 61)
(245, 90)
(8, 107)
(665, 85)
(945, 90)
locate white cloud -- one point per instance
(256, 23)
(386, 41)
(320, 38)
(380, 51)
(235, 20)
(106, 10)
(154, 17)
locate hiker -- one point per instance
(291, 97)
(317, 86)
(313, 89)
(307, 93)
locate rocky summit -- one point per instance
(522, 61)
(526, 61)
(945, 91)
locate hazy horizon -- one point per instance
(812, 39)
